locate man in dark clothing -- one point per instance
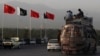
(80, 14)
(69, 16)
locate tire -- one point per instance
(62, 50)
(4, 46)
(86, 50)
(19, 47)
(10, 47)
(58, 49)
(48, 49)
(94, 50)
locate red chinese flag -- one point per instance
(34, 14)
(49, 15)
(9, 9)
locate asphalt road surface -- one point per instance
(36, 50)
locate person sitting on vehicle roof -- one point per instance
(80, 14)
(69, 16)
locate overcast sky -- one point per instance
(62, 4)
(87, 5)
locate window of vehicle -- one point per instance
(53, 41)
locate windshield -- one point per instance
(53, 41)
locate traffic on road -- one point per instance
(37, 50)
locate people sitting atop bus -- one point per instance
(69, 15)
(80, 14)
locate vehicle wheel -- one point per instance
(5, 47)
(58, 49)
(10, 47)
(62, 50)
(86, 50)
(48, 49)
(94, 51)
(18, 47)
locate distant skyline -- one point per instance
(90, 8)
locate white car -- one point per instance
(11, 43)
(53, 45)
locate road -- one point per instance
(36, 50)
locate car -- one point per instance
(11, 43)
(53, 45)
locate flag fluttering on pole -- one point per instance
(34, 14)
(48, 15)
(9, 9)
(21, 11)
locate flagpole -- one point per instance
(45, 35)
(21, 12)
(48, 16)
(30, 29)
(2, 24)
(17, 25)
(45, 29)
(45, 26)
(18, 12)
(41, 28)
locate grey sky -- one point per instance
(63, 4)
(88, 6)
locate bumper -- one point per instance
(54, 47)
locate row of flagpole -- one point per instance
(49, 15)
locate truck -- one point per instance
(78, 36)
(12, 42)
